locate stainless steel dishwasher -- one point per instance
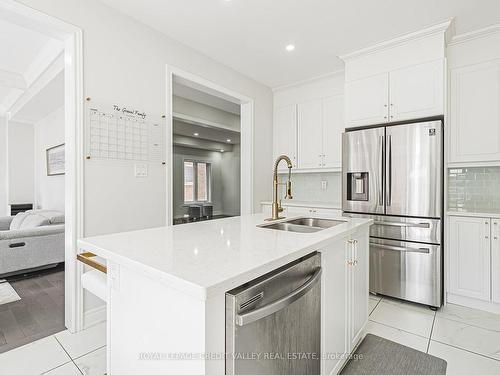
(273, 323)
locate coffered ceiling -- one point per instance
(27, 59)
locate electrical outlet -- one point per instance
(324, 185)
(141, 170)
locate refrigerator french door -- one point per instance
(394, 175)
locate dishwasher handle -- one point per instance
(279, 304)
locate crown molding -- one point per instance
(444, 28)
(476, 34)
(308, 80)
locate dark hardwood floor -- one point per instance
(38, 314)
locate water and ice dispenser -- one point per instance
(357, 186)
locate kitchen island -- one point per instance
(166, 289)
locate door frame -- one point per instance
(71, 35)
(246, 132)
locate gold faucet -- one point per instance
(288, 192)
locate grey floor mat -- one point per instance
(380, 356)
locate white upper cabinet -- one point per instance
(319, 133)
(310, 135)
(285, 132)
(367, 100)
(308, 123)
(333, 127)
(416, 91)
(397, 79)
(469, 257)
(474, 113)
(408, 93)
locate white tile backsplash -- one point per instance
(307, 187)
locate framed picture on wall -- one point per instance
(55, 160)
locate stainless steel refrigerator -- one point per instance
(394, 174)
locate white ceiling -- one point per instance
(205, 132)
(25, 55)
(198, 96)
(250, 36)
(47, 100)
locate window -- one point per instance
(196, 181)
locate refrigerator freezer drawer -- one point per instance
(406, 270)
(404, 228)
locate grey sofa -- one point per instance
(30, 241)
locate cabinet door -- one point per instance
(495, 260)
(334, 305)
(310, 134)
(474, 114)
(333, 126)
(367, 100)
(469, 255)
(285, 133)
(360, 287)
(417, 91)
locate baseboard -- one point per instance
(473, 303)
(94, 316)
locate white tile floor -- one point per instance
(60, 354)
(469, 340)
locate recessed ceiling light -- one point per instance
(228, 140)
(290, 47)
(221, 150)
(196, 134)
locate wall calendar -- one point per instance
(117, 132)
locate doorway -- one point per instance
(41, 180)
(210, 138)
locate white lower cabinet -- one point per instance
(495, 260)
(357, 261)
(474, 262)
(469, 257)
(345, 276)
(334, 341)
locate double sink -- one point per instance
(303, 225)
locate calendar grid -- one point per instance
(123, 137)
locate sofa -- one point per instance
(31, 241)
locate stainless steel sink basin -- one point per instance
(303, 225)
(315, 222)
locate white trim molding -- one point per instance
(308, 80)
(446, 28)
(94, 316)
(71, 37)
(475, 34)
(246, 131)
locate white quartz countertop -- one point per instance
(209, 257)
(494, 215)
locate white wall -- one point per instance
(231, 181)
(21, 163)
(4, 209)
(49, 190)
(124, 62)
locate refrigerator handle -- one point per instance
(381, 183)
(389, 170)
